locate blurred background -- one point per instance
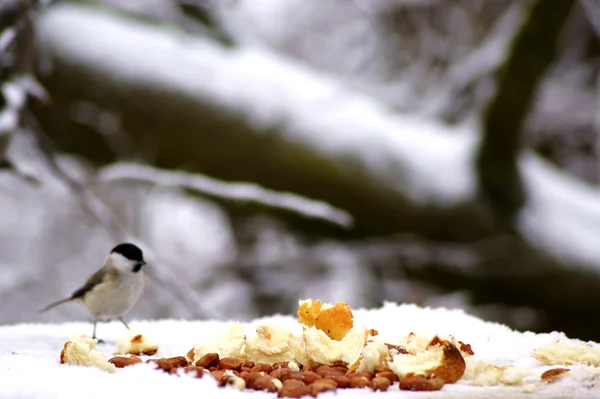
(437, 152)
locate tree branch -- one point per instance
(533, 50)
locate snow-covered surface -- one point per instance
(29, 357)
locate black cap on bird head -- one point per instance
(129, 251)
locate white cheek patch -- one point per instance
(121, 262)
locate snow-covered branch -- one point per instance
(243, 192)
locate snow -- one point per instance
(29, 357)
(558, 203)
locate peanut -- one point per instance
(294, 389)
(230, 363)
(322, 370)
(208, 360)
(266, 368)
(323, 385)
(364, 374)
(133, 360)
(389, 375)
(358, 382)
(217, 374)
(283, 365)
(178, 361)
(380, 368)
(341, 380)
(119, 361)
(162, 364)
(281, 374)
(420, 383)
(380, 384)
(308, 377)
(195, 371)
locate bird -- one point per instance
(114, 289)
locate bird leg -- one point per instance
(100, 341)
(123, 321)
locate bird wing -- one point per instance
(92, 282)
(89, 285)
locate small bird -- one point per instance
(113, 290)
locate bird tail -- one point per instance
(56, 304)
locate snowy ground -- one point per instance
(29, 358)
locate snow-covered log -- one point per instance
(246, 114)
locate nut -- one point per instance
(308, 367)
(230, 363)
(380, 384)
(178, 361)
(307, 377)
(281, 374)
(224, 380)
(322, 370)
(233, 381)
(550, 375)
(161, 363)
(382, 367)
(322, 385)
(217, 374)
(284, 365)
(262, 367)
(389, 375)
(341, 380)
(195, 371)
(420, 383)
(294, 389)
(250, 379)
(365, 374)
(119, 361)
(260, 382)
(265, 383)
(358, 382)
(133, 359)
(208, 360)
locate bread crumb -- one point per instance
(321, 349)
(272, 344)
(134, 343)
(334, 320)
(529, 388)
(374, 353)
(228, 342)
(559, 353)
(81, 351)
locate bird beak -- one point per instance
(142, 263)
